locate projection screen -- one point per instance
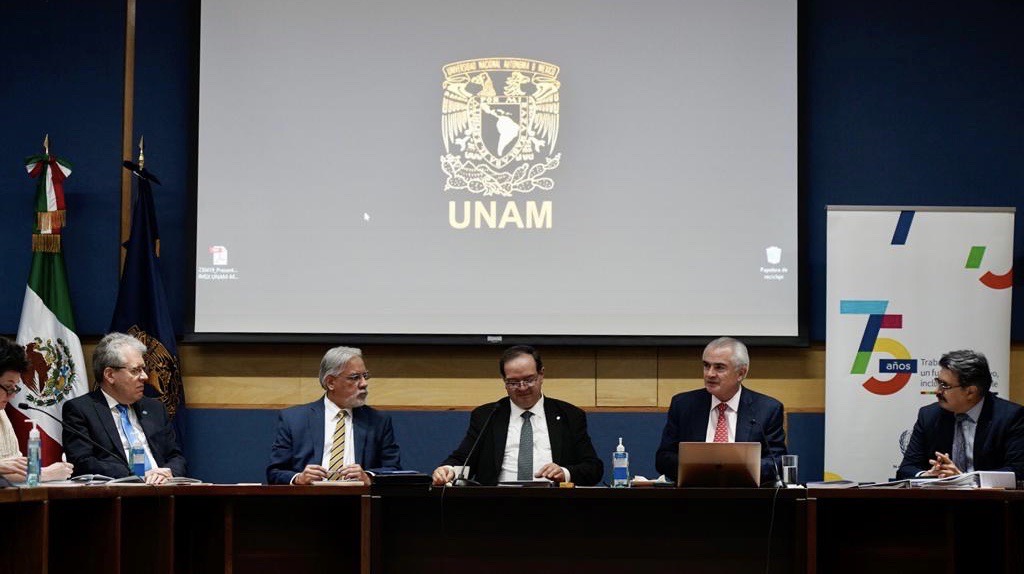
(550, 168)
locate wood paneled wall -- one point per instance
(263, 376)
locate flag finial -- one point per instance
(142, 156)
(46, 144)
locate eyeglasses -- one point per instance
(11, 390)
(354, 378)
(941, 386)
(527, 382)
(133, 371)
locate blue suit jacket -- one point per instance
(758, 419)
(998, 438)
(300, 441)
(90, 415)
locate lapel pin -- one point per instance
(558, 418)
(145, 413)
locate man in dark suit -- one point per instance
(723, 411)
(117, 415)
(525, 436)
(336, 437)
(968, 428)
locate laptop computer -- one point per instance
(719, 464)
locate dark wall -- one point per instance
(902, 103)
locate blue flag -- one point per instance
(141, 309)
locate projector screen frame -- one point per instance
(801, 339)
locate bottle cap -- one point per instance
(34, 433)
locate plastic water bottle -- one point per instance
(138, 452)
(620, 466)
(34, 448)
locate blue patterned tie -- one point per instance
(960, 443)
(129, 432)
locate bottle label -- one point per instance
(139, 461)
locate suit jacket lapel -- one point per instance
(556, 428)
(359, 434)
(106, 419)
(316, 430)
(499, 427)
(743, 416)
(699, 419)
(944, 438)
(981, 431)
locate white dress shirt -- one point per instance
(731, 414)
(140, 434)
(331, 411)
(541, 442)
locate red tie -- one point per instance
(722, 428)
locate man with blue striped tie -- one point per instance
(117, 416)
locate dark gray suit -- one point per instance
(90, 415)
(998, 438)
(567, 429)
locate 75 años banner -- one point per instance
(904, 286)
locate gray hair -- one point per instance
(970, 367)
(740, 357)
(109, 352)
(335, 360)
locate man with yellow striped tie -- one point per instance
(336, 437)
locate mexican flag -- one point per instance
(56, 370)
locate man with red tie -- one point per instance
(723, 411)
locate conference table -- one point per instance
(254, 528)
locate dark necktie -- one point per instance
(525, 470)
(960, 443)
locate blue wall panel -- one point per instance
(63, 63)
(806, 438)
(228, 445)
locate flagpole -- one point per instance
(128, 114)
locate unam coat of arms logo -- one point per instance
(499, 142)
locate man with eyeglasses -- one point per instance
(723, 411)
(13, 465)
(336, 437)
(968, 428)
(117, 416)
(526, 436)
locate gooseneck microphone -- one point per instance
(65, 426)
(465, 481)
(764, 444)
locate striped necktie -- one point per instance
(338, 442)
(131, 435)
